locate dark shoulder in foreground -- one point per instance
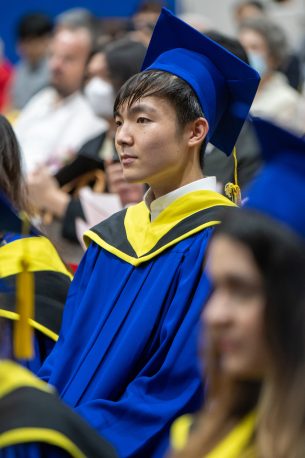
(28, 406)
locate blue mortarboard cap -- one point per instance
(279, 189)
(224, 85)
(10, 220)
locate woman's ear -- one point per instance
(198, 130)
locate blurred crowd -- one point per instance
(120, 342)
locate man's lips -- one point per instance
(127, 159)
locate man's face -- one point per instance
(151, 146)
(68, 57)
(34, 49)
(98, 66)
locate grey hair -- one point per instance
(75, 18)
(273, 34)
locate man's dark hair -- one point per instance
(34, 25)
(156, 83)
(124, 59)
(154, 6)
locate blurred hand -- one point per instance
(129, 193)
(44, 192)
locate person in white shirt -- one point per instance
(59, 120)
(267, 48)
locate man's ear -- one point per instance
(197, 131)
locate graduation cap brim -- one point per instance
(225, 85)
(10, 220)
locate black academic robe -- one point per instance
(35, 424)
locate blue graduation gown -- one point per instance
(126, 358)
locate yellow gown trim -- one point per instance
(234, 445)
(180, 430)
(49, 436)
(144, 235)
(13, 376)
(40, 327)
(42, 256)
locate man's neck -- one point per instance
(156, 205)
(166, 188)
(60, 97)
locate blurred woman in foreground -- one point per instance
(254, 339)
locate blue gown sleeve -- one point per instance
(76, 291)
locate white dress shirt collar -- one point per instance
(156, 206)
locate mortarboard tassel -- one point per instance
(232, 190)
(23, 331)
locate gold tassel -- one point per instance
(232, 190)
(23, 331)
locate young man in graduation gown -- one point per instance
(126, 356)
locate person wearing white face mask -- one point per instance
(100, 95)
(267, 48)
(107, 70)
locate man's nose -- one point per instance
(124, 135)
(55, 63)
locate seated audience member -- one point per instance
(248, 9)
(266, 47)
(51, 277)
(32, 71)
(34, 423)
(107, 71)
(253, 335)
(144, 19)
(58, 120)
(255, 9)
(247, 148)
(126, 356)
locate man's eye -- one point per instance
(142, 120)
(118, 122)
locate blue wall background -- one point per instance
(14, 9)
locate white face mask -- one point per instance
(99, 94)
(258, 62)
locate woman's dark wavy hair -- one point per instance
(11, 178)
